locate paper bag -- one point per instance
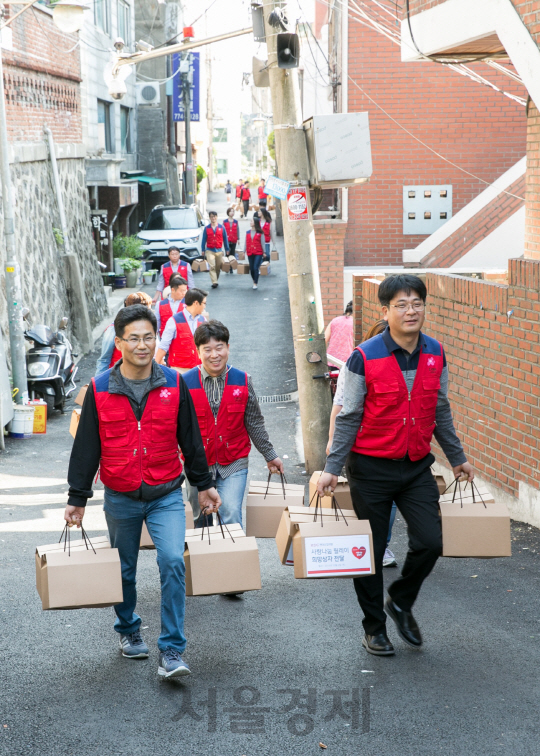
(74, 423)
(342, 492)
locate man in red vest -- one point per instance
(395, 400)
(177, 339)
(246, 198)
(174, 303)
(214, 240)
(230, 419)
(168, 269)
(134, 419)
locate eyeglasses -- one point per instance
(133, 341)
(404, 307)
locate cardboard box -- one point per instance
(475, 530)
(147, 543)
(342, 493)
(480, 494)
(199, 265)
(291, 519)
(80, 396)
(100, 542)
(265, 268)
(243, 268)
(78, 579)
(225, 265)
(241, 254)
(338, 548)
(222, 565)
(274, 255)
(233, 261)
(441, 484)
(275, 484)
(74, 423)
(263, 514)
(196, 534)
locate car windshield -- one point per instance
(174, 217)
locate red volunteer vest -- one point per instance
(253, 245)
(396, 422)
(246, 194)
(225, 437)
(183, 352)
(266, 231)
(239, 191)
(165, 312)
(131, 451)
(262, 193)
(214, 238)
(116, 355)
(167, 271)
(231, 229)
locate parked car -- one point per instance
(179, 225)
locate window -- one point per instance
(124, 26)
(220, 135)
(101, 15)
(222, 165)
(104, 126)
(125, 130)
(426, 208)
(171, 218)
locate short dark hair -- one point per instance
(392, 285)
(195, 295)
(177, 280)
(348, 308)
(130, 314)
(173, 246)
(212, 212)
(213, 329)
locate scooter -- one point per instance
(50, 370)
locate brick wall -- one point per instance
(41, 80)
(494, 366)
(475, 127)
(330, 239)
(417, 6)
(477, 228)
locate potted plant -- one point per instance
(126, 247)
(131, 269)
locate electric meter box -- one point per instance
(339, 149)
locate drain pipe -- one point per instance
(81, 317)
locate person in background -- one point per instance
(140, 407)
(230, 420)
(260, 191)
(228, 190)
(177, 339)
(166, 308)
(246, 198)
(232, 229)
(389, 560)
(239, 187)
(339, 336)
(110, 354)
(175, 265)
(214, 241)
(395, 401)
(254, 250)
(266, 227)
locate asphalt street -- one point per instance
(275, 672)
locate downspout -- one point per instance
(81, 318)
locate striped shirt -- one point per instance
(253, 420)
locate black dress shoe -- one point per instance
(405, 624)
(214, 286)
(378, 645)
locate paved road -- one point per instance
(275, 672)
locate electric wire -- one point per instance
(413, 136)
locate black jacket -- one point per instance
(86, 452)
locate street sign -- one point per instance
(178, 97)
(277, 187)
(297, 203)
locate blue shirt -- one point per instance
(225, 240)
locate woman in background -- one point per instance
(339, 336)
(254, 250)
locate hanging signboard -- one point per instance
(297, 203)
(277, 187)
(178, 98)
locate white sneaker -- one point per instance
(255, 286)
(389, 559)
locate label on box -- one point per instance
(290, 557)
(338, 555)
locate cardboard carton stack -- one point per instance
(265, 504)
(474, 526)
(342, 493)
(218, 563)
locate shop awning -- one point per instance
(155, 184)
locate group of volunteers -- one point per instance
(139, 413)
(243, 195)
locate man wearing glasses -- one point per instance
(395, 401)
(134, 418)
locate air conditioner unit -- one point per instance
(148, 93)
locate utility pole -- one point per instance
(12, 268)
(301, 255)
(186, 89)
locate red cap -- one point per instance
(189, 32)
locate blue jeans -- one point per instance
(166, 522)
(231, 491)
(267, 250)
(254, 265)
(392, 518)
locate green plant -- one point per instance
(127, 264)
(59, 236)
(271, 144)
(201, 174)
(127, 246)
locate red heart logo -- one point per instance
(358, 552)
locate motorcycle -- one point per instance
(50, 370)
(331, 375)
